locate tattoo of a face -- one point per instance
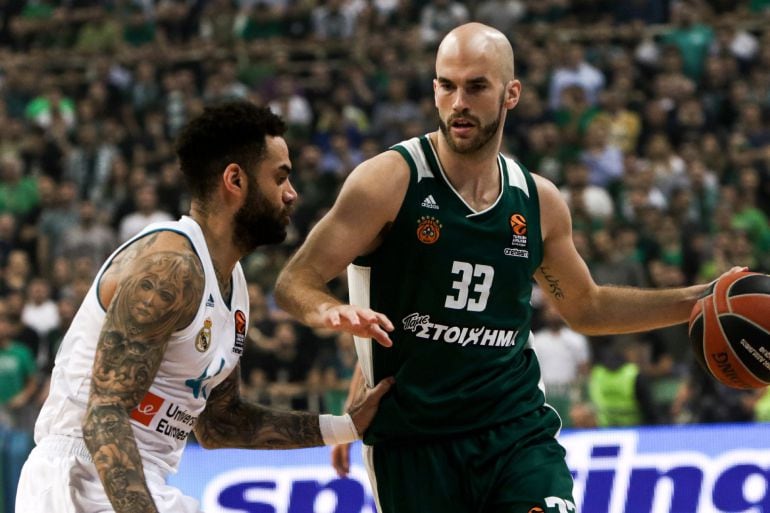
(157, 296)
(230, 422)
(553, 283)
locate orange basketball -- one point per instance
(730, 330)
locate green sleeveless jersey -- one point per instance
(456, 284)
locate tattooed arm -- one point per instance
(587, 307)
(228, 421)
(153, 288)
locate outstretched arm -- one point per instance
(228, 421)
(591, 308)
(153, 288)
(367, 204)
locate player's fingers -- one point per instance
(378, 334)
(332, 319)
(351, 317)
(341, 459)
(368, 316)
(383, 321)
(736, 269)
(372, 317)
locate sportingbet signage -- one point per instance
(688, 469)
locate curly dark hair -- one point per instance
(225, 133)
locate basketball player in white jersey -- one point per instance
(153, 352)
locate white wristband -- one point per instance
(337, 429)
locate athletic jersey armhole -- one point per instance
(122, 248)
(401, 149)
(409, 160)
(534, 197)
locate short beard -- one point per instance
(255, 223)
(486, 133)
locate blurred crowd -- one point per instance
(652, 116)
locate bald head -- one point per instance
(475, 43)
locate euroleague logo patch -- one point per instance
(518, 224)
(240, 331)
(518, 247)
(428, 229)
(536, 509)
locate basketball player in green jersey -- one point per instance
(441, 236)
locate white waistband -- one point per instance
(61, 444)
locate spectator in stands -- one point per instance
(17, 272)
(18, 193)
(18, 382)
(603, 158)
(501, 14)
(89, 162)
(437, 17)
(51, 106)
(55, 221)
(42, 154)
(340, 158)
(287, 368)
(692, 37)
(618, 390)
(337, 369)
(565, 360)
(623, 123)
(40, 312)
(8, 237)
(610, 265)
(575, 70)
(394, 112)
(589, 203)
(17, 371)
(333, 19)
(144, 91)
(147, 212)
(668, 348)
(293, 106)
(91, 237)
(703, 400)
(667, 166)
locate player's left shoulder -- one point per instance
(554, 212)
(547, 191)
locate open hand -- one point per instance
(361, 322)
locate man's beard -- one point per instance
(486, 132)
(257, 222)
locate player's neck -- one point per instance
(476, 176)
(217, 230)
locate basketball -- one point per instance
(730, 330)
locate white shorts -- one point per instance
(60, 477)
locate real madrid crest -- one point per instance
(203, 340)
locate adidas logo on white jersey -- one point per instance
(429, 202)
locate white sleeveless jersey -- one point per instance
(197, 359)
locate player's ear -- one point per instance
(512, 93)
(234, 179)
